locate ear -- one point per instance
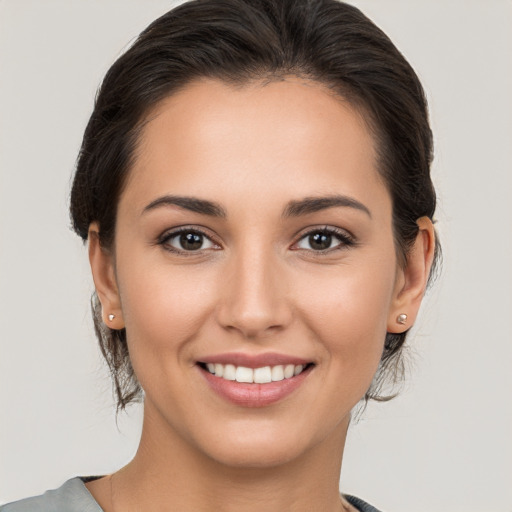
(412, 280)
(105, 282)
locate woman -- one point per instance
(254, 188)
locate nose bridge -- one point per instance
(255, 293)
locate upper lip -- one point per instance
(254, 360)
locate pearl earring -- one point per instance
(111, 317)
(402, 318)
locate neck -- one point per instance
(168, 472)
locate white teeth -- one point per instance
(289, 370)
(229, 372)
(277, 373)
(244, 374)
(219, 370)
(261, 375)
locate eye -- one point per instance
(186, 240)
(324, 240)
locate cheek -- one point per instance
(163, 309)
(348, 311)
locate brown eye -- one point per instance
(191, 241)
(320, 241)
(324, 240)
(187, 241)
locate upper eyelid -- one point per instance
(341, 232)
(169, 233)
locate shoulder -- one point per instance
(72, 496)
(359, 504)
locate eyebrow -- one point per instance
(188, 203)
(293, 208)
(315, 204)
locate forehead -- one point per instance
(292, 136)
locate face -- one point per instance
(254, 241)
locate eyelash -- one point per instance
(346, 240)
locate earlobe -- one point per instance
(102, 267)
(414, 277)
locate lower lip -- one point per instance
(254, 395)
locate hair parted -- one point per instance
(241, 41)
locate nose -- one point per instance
(254, 295)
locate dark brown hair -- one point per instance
(240, 41)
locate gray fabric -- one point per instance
(73, 496)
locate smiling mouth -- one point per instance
(262, 375)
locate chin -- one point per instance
(260, 445)
(255, 455)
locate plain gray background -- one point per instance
(445, 444)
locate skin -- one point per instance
(258, 286)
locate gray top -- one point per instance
(73, 496)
